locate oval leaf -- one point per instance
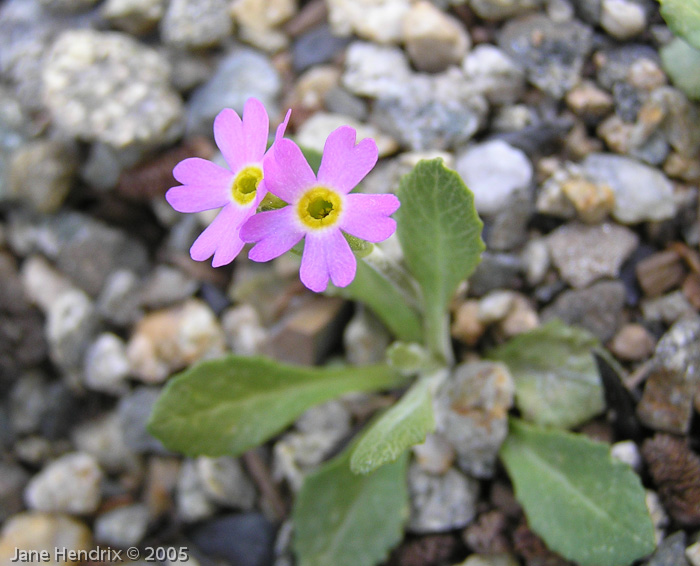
(585, 505)
(397, 429)
(556, 377)
(681, 61)
(683, 17)
(440, 233)
(344, 519)
(229, 405)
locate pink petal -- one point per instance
(273, 231)
(314, 271)
(341, 261)
(256, 127)
(228, 134)
(282, 128)
(221, 237)
(345, 164)
(287, 173)
(198, 171)
(367, 216)
(196, 198)
(327, 254)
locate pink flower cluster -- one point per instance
(319, 207)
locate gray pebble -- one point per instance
(70, 325)
(103, 438)
(123, 526)
(134, 411)
(13, 479)
(191, 499)
(225, 483)
(440, 503)
(243, 74)
(105, 86)
(196, 24)
(106, 365)
(584, 253)
(598, 308)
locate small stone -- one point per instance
(490, 560)
(466, 326)
(592, 201)
(435, 455)
(552, 53)
(493, 74)
(598, 308)
(243, 539)
(13, 480)
(641, 192)
(225, 483)
(584, 253)
(536, 258)
(119, 301)
(668, 308)
(315, 130)
(522, 317)
(496, 271)
(589, 101)
(170, 339)
(308, 334)
(633, 343)
(667, 400)
(433, 40)
(137, 17)
(133, 102)
(71, 322)
(660, 272)
(471, 413)
(243, 74)
(42, 172)
(622, 19)
(166, 286)
(106, 365)
(495, 306)
(670, 551)
(659, 517)
(70, 485)
(365, 339)
(243, 329)
(494, 171)
(692, 553)
(196, 24)
(627, 451)
(499, 10)
(43, 532)
(375, 70)
(42, 283)
(440, 503)
(192, 501)
(123, 526)
(376, 20)
(103, 439)
(134, 410)
(160, 483)
(316, 47)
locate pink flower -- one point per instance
(320, 209)
(237, 190)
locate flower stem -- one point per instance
(437, 334)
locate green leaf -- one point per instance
(401, 426)
(409, 357)
(440, 233)
(229, 405)
(556, 378)
(683, 17)
(682, 63)
(585, 505)
(344, 519)
(379, 294)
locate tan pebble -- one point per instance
(593, 201)
(466, 326)
(632, 343)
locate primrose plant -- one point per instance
(352, 510)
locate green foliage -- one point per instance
(344, 519)
(585, 505)
(401, 426)
(440, 233)
(682, 63)
(385, 300)
(229, 405)
(683, 17)
(556, 378)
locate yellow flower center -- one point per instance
(319, 207)
(245, 184)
